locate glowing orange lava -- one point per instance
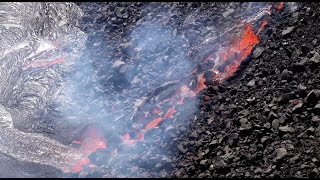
(280, 6)
(229, 61)
(170, 113)
(91, 140)
(264, 23)
(201, 85)
(91, 144)
(45, 64)
(157, 110)
(79, 165)
(239, 51)
(243, 47)
(185, 92)
(126, 139)
(154, 123)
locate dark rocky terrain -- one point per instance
(265, 121)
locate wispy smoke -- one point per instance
(109, 87)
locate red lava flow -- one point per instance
(243, 46)
(238, 50)
(247, 41)
(91, 140)
(280, 6)
(45, 63)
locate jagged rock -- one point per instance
(310, 130)
(245, 124)
(182, 148)
(264, 139)
(297, 108)
(203, 162)
(257, 52)
(275, 123)
(272, 116)
(287, 31)
(285, 73)
(286, 129)
(181, 172)
(315, 119)
(194, 134)
(316, 58)
(302, 87)
(317, 107)
(284, 99)
(281, 152)
(228, 12)
(251, 83)
(267, 125)
(313, 96)
(293, 159)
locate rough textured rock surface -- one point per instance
(270, 128)
(27, 29)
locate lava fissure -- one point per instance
(226, 63)
(230, 60)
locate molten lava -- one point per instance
(44, 64)
(185, 92)
(280, 6)
(126, 139)
(229, 60)
(79, 165)
(91, 140)
(154, 123)
(264, 23)
(237, 52)
(242, 47)
(170, 113)
(157, 110)
(200, 84)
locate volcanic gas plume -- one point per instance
(165, 100)
(239, 49)
(116, 102)
(160, 103)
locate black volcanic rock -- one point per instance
(283, 120)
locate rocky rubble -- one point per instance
(268, 126)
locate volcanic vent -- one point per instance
(116, 88)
